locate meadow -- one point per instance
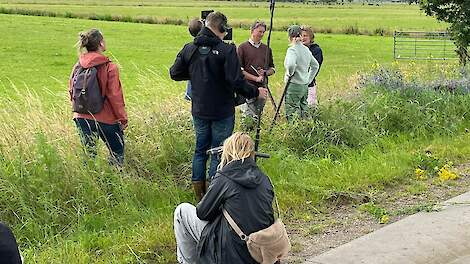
(66, 210)
(352, 19)
(45, 63)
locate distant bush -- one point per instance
(351, 29)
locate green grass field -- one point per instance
(44, 64)
(63, 211)
(353, 18)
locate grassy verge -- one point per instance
(65, 210)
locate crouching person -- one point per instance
(203, 234)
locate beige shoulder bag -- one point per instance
(267, 245)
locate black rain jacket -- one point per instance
(215, 74)
(9, 253)
(247, 194)
(318, 55)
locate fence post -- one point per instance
(394, 44)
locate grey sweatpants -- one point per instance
(188, 230)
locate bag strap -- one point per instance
(234, 226)
(192, 53)
(279, 216)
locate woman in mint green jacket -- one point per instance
(302, 66)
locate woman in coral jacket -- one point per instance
(109, 123)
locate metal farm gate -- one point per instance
(423, 46)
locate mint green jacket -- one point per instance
(299, 60)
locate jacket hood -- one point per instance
(206, 38)
(245, 173)
(91, 59)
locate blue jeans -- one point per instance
(209, 134)
(112, 135)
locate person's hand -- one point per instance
(263, 92)
(123, 126)
(260, 79)
(261, 72)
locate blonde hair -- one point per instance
(238, 146)
(89, 40)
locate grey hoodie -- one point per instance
(299, 60)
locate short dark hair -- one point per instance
(217, 20)
(194, 26)
(294, 31)
(257, 24)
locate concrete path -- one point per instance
(440, 237)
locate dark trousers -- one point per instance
(112, 136)
(9, 253)
(209, 134)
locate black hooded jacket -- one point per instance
(215, 74)
(9, 253)
(247, 194)
(318, 55)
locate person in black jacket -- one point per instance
(9, 253)
(308, 39)
(213, 68)
(203, 235)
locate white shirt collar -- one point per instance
(256, 45)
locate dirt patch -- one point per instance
(346, 222)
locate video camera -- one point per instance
(228, 30)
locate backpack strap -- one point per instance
(193, 50)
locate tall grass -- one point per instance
(67, 209)
(377, 113)
(50, 192)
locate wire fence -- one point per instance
(414, 45)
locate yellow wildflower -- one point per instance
(420, 174)
(445, 174)
(384, 219)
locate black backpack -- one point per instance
(86, 91)
(204, 50)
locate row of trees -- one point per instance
(457, 14)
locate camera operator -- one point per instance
(215, 74)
